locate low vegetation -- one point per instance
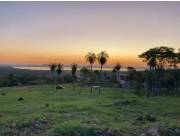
(41, 111)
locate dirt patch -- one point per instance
(170, 131)
(153, 130)
(35, 127)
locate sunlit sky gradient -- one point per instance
(44, 32)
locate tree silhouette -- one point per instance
(59, 69)
(158, 59)
(52, 69)
(74, 67)
(129, 68)
(178, 54)
(150, 57)
(91, 58)
(102, 59)
(173, 59)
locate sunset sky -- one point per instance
(44, 32)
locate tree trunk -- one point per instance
(91, 79)
(101, 74)
(150, 86)
(52, 81)
(73, 83)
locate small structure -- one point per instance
(123, 79)
(97, 88)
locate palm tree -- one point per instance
(59, 69)
(102, 59)
(52, 67)
(74, 67)
(91, 58)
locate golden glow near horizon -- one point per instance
(44, 32)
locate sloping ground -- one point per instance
(41, 111)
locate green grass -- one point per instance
(80, 113)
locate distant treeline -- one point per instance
(162, 77)
(18, 77)
(14, 77)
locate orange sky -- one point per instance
(66, 59)
(44, 32)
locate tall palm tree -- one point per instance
(59, 69)
(102, 59)
(91, 58)
(52, 67)
(74, 67)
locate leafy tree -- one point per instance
(91, 58)
(162, 56)
(150, 57)
(173, 59)
(159, 59)
(74, 67)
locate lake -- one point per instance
(45, 68)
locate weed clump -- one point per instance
(46, 105)
(20, 99)
(125, 102)
(147, 117)
(3, 94)
(150, 118)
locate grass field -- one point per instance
(68, 112)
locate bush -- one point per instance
(151, 118)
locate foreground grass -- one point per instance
(68, 112)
